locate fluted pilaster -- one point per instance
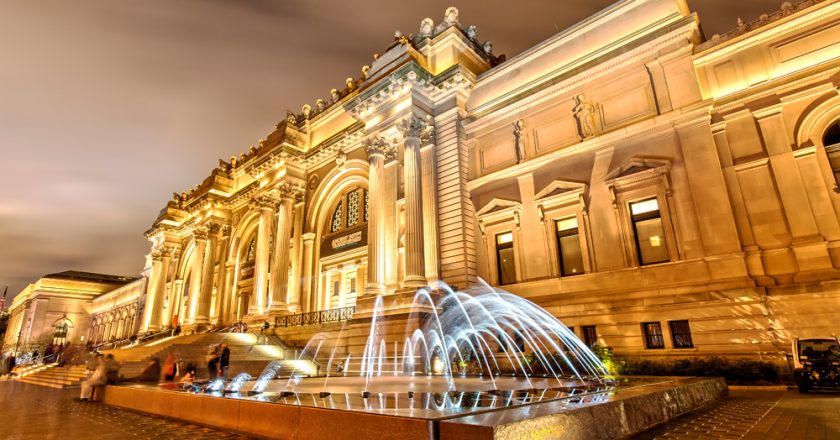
(266, 205)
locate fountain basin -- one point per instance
(632, 407)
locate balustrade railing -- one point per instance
(321, 316)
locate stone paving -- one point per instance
(33, 412)
(759, 415)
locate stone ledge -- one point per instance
(625, 413)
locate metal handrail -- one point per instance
(317, 317)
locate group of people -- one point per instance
(102, 370)
(218, 361)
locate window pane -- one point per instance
(644, 206)
(650, 237)
(352, 208)
(507, 271)
(653, 335)
(504, 238)
(566, 224)
(681, 334)
(571, 257)
(336, 219)
(590, 336)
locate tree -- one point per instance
(4, 322)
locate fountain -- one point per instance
(450, 365)
(487, 347)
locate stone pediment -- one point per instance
(638, 165)
(559, 188)
(498, 205)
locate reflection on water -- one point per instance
(472, 398)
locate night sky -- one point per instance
(108, 107)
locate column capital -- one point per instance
(287, 191)
(200, 232)
(377, 146)
(415, 127)
(157, 256)
(265, 201)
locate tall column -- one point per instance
(378, 149)
(160, 291)
(200, 236)
(413, 128)
(205, 296)
(430, 226)
(266, 205)
(280, 267)
(306, 279)
(295, 304)
(151, 292)
(222, 277)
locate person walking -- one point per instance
(224, 361)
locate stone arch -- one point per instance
(815, 120)
(334, 183)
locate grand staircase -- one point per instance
(249, 353)
(53, 376)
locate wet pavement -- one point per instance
(34, 412)
(759, 415)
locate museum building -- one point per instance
(660, 192)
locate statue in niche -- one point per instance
(427, 27)
(519, 140)
(584, 113)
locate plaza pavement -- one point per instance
(33, 412)
(759, 415)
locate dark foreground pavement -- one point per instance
(33, 412)
(756, 415)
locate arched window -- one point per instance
(356, 212)
(60, 331)
(251, 254)
(336, 219)
(831, 142)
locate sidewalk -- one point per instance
(759, 415)
(33, 412)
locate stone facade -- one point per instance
(663, 194)
(57, 308)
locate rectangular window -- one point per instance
(590, 336)
(351, 285)
(336, 288)
(681, 334)
(653, 335)
(505, 263)
(649, 232)
(568, 247)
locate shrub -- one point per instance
(741, 371)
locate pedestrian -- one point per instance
(224, 361)
(98, 378)
(264, 327)
(112, 370)
(213, 356)
(170, 366)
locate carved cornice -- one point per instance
(379, 146)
